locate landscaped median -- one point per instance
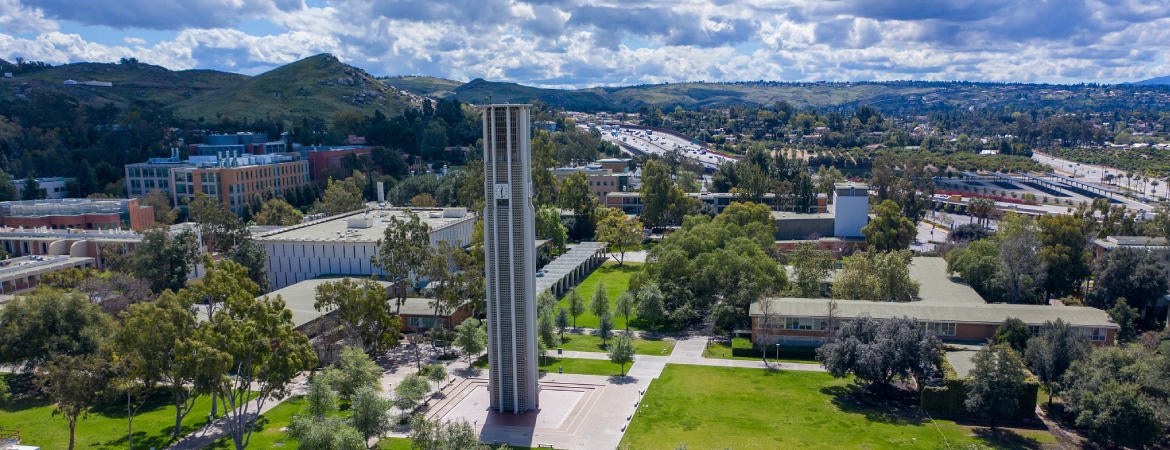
(577, 366)
(720, 407)
(742, 349)
(592, 343)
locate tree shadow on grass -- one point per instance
(894, 406)
(1006, 438)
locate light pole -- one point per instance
(777, 353)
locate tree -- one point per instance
(75, 384)
(32, 190)
(562, 322)
(663, 202)
(1053, 351)
(403, 250)
(604, 328)
(159, 342)
(546, 331)
(1064, 253)
(1021, 271)
(599, 304)
(1117, 395)
(342, 196)
(321, 399)
(889, 230)
(650, 305)
(277, 212)
(811, 266)
(410, 392)
(220, 228)
(575, 194)
(877, 276)
(48, 323)
(266, 351)
(576, 306)
(424, 200)
(626, 302)
(1126, 318)
(330, 433)
(876, 352)
(622, 351)
(978, 265)
(622, 233)
(1014, 333)
(1136, 276)
(164, 260)
(352, 371)
(437, 373)
(435, 435)
(160, 203)
(997, 380)
(371, 412)
(361, 313)
(549, 226)
(470, 337)
(7, 188)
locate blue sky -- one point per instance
(582, 43)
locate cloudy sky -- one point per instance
(581, 43)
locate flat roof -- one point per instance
(28, 265)
(299, 298)
(986, 313)
(369, 225)
(788, 215)
(937, 287)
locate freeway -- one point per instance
(647, 141)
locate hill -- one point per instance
(317, 86)
(131, 82)
(1154, 81)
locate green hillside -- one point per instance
(317, 86)
(424, 86)
(132, 82)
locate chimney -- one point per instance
(381, 193)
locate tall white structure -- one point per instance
(509, 229)
(850, 209)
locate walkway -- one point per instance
(689, 351)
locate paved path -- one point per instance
(204, 437)
(689, 351)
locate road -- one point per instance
(1089, 173)
(662, 143)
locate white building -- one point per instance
(345, 243)
(55, 187)
(509, 232)
(850, 209)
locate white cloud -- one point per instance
(575, 43)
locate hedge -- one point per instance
(947, 400)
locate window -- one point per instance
(1093, 334)
(421, 322)
(802, 323)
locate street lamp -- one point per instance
(777, 353)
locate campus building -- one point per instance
(325, 162)
(73, 242)
(239, 143)
(55, 187)
(509, 230)
(602, 181)
(951, 310)
(24, 272)
(77, 213)
(237, 180)
(343, 244)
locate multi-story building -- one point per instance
(55, 187)
(77, 213)
(325, 162)
(67, 242)
(601, 181)
(24, 273)
(239, 143)
(237, 180)
(343, 244)
(509, 233)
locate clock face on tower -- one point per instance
(503, 191)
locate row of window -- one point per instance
(945, 329)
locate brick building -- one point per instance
(235, 179)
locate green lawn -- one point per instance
(617, 280)
(104, 428)
(268, 433)
(741, 348)
(570, 365)
(592, 343)
(719, 407)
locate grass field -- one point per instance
(592, 343)
(268, 433)
(577, 366)
(719, 407)
(617, 280)
(104, 428)
(741, 348)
